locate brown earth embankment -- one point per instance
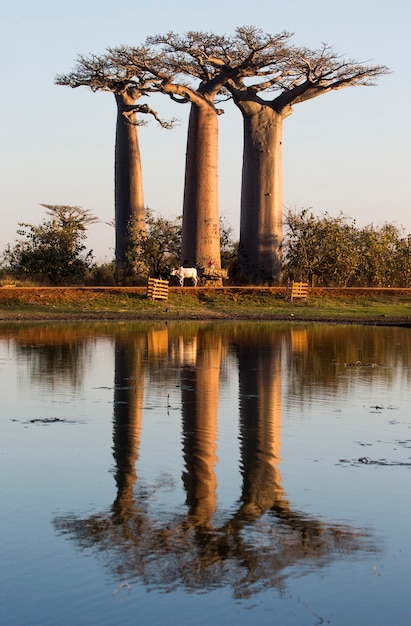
(365, 305)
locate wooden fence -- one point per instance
(297, 291)
(157, 289)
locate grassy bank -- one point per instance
(375, 306)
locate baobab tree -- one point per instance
(99, 73)
(294, 75)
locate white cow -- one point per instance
(185, 272)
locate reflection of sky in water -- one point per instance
(331, 415)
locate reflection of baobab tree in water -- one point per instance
(123, 523)
(287, 538)
(128, 410)
(253, 547)
(260, 424)
(199, 392)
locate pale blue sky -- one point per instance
(345, 151)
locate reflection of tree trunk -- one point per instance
(200, 389)
(260, 426)
(128, 408)
(201, 227)
(129, 198)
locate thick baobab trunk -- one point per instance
(201, 228)
(129, 197)
(261, 194)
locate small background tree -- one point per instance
(320, 250)
(229, 249)
(155, 250)
(54, 251)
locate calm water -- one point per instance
(205, 473)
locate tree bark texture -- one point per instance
(201, 227)
(128, 184)
(261, 193)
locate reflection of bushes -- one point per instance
(314, 356)
(317, 362)
(56, 365)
